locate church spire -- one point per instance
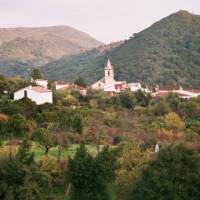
(109, 73)
(109, 65)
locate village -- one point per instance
(40, 94)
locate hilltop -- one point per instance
(168, 52)
(21, 48)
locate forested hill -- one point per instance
(21, 48)
(168, 52)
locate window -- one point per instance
(108, 73)
(25, 93)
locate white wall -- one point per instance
(99, 85)
(43, 83)
(61, 86)
(135, 86)
(37, 97)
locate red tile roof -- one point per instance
(169, 87)
(38, 89)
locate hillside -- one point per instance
(168, 52)
(24, 47)
(88, 65)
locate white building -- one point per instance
(115, 87)
(38, 94)
(41, 82)
(134, 87)
(164, 91)
(61, 85)
(107, 79)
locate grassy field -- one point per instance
(53, 152)
(70, 151)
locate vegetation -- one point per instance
(169, 176)
(98, 147)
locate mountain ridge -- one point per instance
(168, 52)
(40, 45)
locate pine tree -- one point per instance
(87, 177)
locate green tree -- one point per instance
(87, 177)
(161, 108)
(174, 174)
(45, 138)
(16, 126)
(21, 178)
(80, 175)
(80, 82)
(36, 74)
(142, 99)
(130, 164)
(72, 120)
(174, 122)
(127, 100)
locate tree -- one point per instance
(3, 121)
(45, 139)
(130, 163)
(16, 126)
(51, 85)
(87, 176)
(72, 120)
(142, 98)
(3, 84)
(127, 100)
(80, 175)
(80, 82)
(21, 177)
(161, 108)
(174, 174)
(174, 101)
(174, 122)
(107, 163)
(36, 74)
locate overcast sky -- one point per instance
(106, 20)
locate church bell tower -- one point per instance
(109, 73)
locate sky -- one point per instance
(105, 20)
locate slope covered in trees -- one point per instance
(168, 52)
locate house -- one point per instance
(164, 91)
(41, 82)
(38, 94)
(61, 85)
(115, 87)
(134, 87)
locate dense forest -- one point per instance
(97, 147)
(168, 52)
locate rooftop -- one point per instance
(38, 89)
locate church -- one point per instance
(108, 82)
